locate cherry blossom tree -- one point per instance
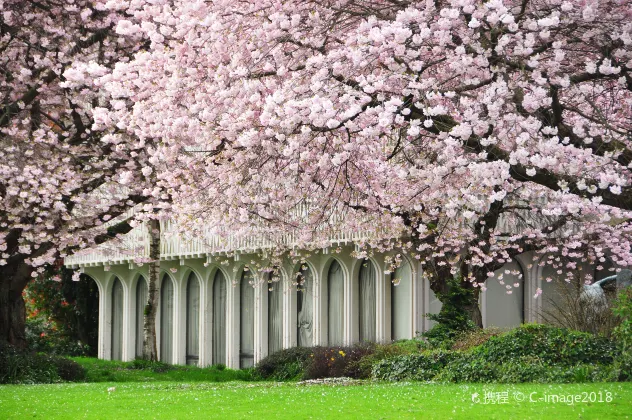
(470, 130)
(60, 179)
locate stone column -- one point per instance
(179, 319)
(232, 324)
(351, 332)
(290, 327)
(382, 314)
(128, 352)
(261, 319)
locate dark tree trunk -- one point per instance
(150, 349)
(13, 279)
(472, 307)
(466, 301)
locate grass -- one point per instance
(237, 400)
(141, 371)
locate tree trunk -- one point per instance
(150, 349)
(13, 279)
(465, 300)
(472, 307)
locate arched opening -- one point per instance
(505, 310)
(401, 302)
(335, 304)
(166, 320)
(117, 320)
(275, 315)
(142, 295)
(219, 319)
(247, 320)
(304, 307)
(367, 301)
(193, 320)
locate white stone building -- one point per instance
(209, 312)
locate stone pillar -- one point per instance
(102, 344)
(179, 319)
(105, 315)
(351, 331)
(320, 308)
(128, 318)
(205, 323)
(419, 309)
(290, 327)
(261, 319)
(233, 325)
(382, 315)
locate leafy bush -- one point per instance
(335, 362)
(287, 364)
(555, 346)
(330, 362)
(531, 353)
(69, 370)
(385, 351)
(24, 367)
(473, 338)
(155, 365)
(43, 336)
(62, 314)
(622, 309)
(452, 320)
(418, 367)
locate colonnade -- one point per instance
(209, 312)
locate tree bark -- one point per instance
(150, 349)
(466, 302)
(13, 279)
(472, 307)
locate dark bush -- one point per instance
(452, 320)
(69, 370)
(287, 364)
(14, 366)
(24, 367)
(155, 365)
(326, 362)
(335, 362)
(44, 338)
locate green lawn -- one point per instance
(236, 400)
(98, 370)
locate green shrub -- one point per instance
(335, 362)
(153, 365)
(322, 362)
(622, 308)
(24, 367)
(386, 351)
(452, 320)
(43, 337)
(69, 370)
(418, 367)
(473, 338)
(287, 364)
(554, 346)
(530, 353)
